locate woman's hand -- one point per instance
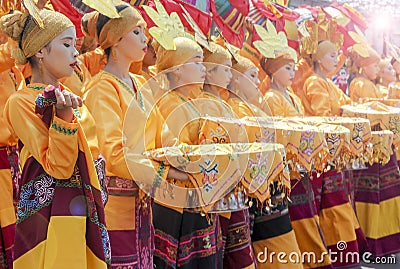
(177, 174)
(66, 101)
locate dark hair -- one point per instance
(102, 20)
(33, 60)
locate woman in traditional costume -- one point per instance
(336, 215)
(235, 225)
(189, 238)
(281, 100)
(121, 108)
(12, 80)
(367, 69)
(377, 192)
(303, 214)
(386, 80)
(321, 96)
(272, 229)
(59, 197)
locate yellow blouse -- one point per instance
(211, 105)
(94, 60)
(120, 113)
(181, 115)
(323, 97)
(11, 81)
(6, 61)
(363, 88)
(55, 148)
(281, 105)
(243, 109)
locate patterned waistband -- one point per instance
(122, 187)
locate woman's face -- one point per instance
(248, 82)
(220, 75)
(284, 76)
(330, 61)
(150, 57)
(193, 71)
(371, 71)
(133, 45)
(388, 73)
(58, 58)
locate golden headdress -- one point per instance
(243, 64)
(274, 47)
(313, 32)
(361, 52)
(33, 30)
(217, 54)
(169, 26)
(115, 28)
(173, 45)
(272, 43)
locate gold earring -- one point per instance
(360, 70)
(41, 67)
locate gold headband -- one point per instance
(323, 48)
(185, 50)
(115, 28)
(217, 55)
(243, 64)
(272, 65)
(32, 38)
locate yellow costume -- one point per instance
(322, 97)
(56, 158)
(113, 104)
(282, 105)
(11, 81)
(361, 87)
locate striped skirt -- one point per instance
(377, 197)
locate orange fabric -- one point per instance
(182, 117)
(285, 243)
(304, 70)
(179, 112)
(26, 70)
(383, 90)
(280, 105)
(6, 61)
(94, 60)
(214, 106)
(109, 100)
(11, 81)
(265, 85)
(243, 109)
(363, 88)
(270, 66)
(322, 97)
